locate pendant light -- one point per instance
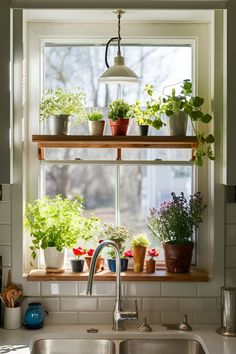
(119, 73)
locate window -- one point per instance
(122, 192)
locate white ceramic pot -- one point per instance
(12, 317)
(177, 124)
(53, 258)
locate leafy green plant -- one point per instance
(140, 240)
(150, 115)
(176, 220)
(118, 234)
(61, 102)
(118, 109)
(58, 222)
(192, 106)
(95, 116)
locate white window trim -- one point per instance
(38, 33)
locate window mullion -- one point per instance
(117, 195)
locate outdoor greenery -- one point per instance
(118, 234)
(61, 102)
(58, 222)
(140, 240)
(95, 116)
(176, 220)
(192, 106)
(150, 115)
(118, 109)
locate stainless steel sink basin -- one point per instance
(73, 346)
(161, 346)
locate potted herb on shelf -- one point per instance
(151, 262)
(118, 114)
(77, 264)
(100, 260)
(57, 106)
(56, 224)
(178, 108)
(174, 224)
(118, 234)
(96, 124)
(139, 245)
(149, 115)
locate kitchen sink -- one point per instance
(161, 346)
(73, 346)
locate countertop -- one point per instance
(19, 341)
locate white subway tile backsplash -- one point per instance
(100, 288)
(59, 288)
(231, 234)
(5, 212)
(107, 304)
(230, 257)
(198, 304)
(231, 213)
(5, 233)
(142, 289)
(205, 317)
(6, 192)
(30, 288)
(49, 304)
(62, 318)
(210, 288)
(160, 304)
(5, 252)
(175, 317)
(151, 317)
(94, 318)
(78, 304)
(231, 277)
(179, 289)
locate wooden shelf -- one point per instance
(195, 275)
(115, 142)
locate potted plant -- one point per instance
(96, 124)
(77, 264)
(59, 105)
(174, 224)
(178, 108)
(100, 260)
(55, 224)
(150, 115)
(128, 255)
(118, 234)
(151, 262)
(118, 114)
(139, 245)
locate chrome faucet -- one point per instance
(119, 316)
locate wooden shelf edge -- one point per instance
(195, 275)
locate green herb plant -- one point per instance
(61, 102)
(192, 106)
(140, 240)
(58, 222)
(118, 109)
(150, 115)
(95, 116)
(119, 234)
(177, 219)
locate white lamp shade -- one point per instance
(119, 73)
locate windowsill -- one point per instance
(195, 275)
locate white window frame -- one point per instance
(38, 33)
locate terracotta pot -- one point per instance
(150, 265)
(177, 124)
(96, 127)
(139, 253)
(119, 127)
(178, 257)
(99, 264)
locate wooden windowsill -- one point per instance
(195, 275)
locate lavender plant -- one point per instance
(176, 220)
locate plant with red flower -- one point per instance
(78, 252)
(90, 252)
(153, 253)
(128, 254)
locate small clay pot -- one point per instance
(178, 257)
(119, 127)
(139, 253)
(150, 265)
(99, 264)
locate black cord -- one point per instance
(106, 51)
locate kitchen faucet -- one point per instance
(119, 316)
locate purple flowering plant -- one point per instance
(177, 219)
